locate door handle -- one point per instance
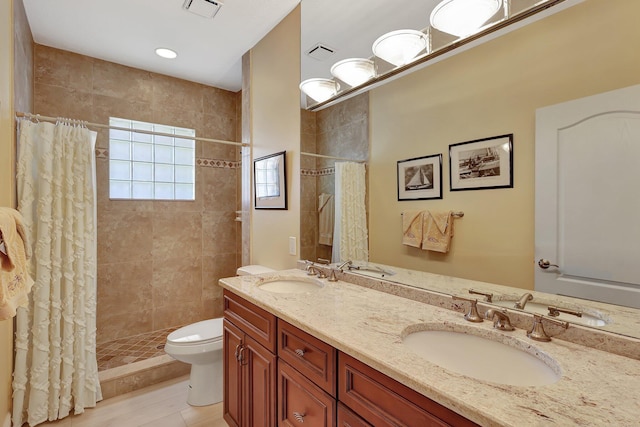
(545, 263)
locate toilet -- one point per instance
(200, 345)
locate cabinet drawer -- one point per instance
(312, 357)
(256, 322)
(301, 401)
(346, 418)
(383, 401)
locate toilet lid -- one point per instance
(207, 330)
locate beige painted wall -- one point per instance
(275, 126)
(7, 184)
(490, 90)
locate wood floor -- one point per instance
(161, 405)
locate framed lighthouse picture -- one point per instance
(420, 178)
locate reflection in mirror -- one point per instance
(338, 133)
(333, 32)
(323, 131)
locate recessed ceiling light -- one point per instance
(166, 53)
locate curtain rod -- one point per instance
(148, 132)
(331, 157)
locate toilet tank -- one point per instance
(249, 270)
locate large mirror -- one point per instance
(492, 89)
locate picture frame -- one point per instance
(270, 181)
(481, 164)
(420, 178)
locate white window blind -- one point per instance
(151, 167)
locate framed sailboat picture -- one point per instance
(482, 164)
(420, 178)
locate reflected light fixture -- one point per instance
(354, 71)
(463, 17)
(319, 89)
(166, 53)
(400, 47)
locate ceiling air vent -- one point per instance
(320, 52)
(206, 8)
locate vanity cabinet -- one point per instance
(306, 378)
(250, 363)
(314, 384)
(383, 401)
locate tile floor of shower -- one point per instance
(132, 349)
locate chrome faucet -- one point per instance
(523, 301)
(500, 319)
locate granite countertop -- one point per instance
(596, 388)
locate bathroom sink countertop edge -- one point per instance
(598, 387)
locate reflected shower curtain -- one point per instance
(55, 367)
(350, 234)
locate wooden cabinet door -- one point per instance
(302, 402)
(346, 418)
(384, 402)
(259, 369)
(232, 337)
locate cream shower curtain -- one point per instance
(55, 368)
(350, 234)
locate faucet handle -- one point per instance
(537, 331)
(472, 315)
(332, 276)
(487, 295)
(555, 311)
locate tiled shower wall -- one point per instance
(341, 130)
(158, 261)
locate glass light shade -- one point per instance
(463, 17)
(319, 89)
(400, 47)
(354, 71)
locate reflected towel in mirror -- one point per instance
(437, 231)
(326, 214)
(412, 225)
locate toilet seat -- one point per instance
(204, 332)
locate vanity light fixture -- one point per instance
(400, 47)
(354, 71)
(320, 89)
(463, 17)
(166, 53)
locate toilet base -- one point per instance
(205, 384)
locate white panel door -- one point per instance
(587, 222)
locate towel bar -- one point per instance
(455, 214)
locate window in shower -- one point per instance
(150, 166)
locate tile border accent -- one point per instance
(103, 154)
(318, 172)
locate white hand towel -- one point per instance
(326, 209)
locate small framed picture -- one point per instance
(270, 181)
(420, 178)
(481, 164)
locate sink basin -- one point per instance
(290, 285)
(482, 358)
(540, 308)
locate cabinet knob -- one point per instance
(299, 417)
(300, 352)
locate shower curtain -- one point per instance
(350, 234)
(55, 367)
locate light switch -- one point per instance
(292, 245)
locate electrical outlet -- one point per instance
(292, 245)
